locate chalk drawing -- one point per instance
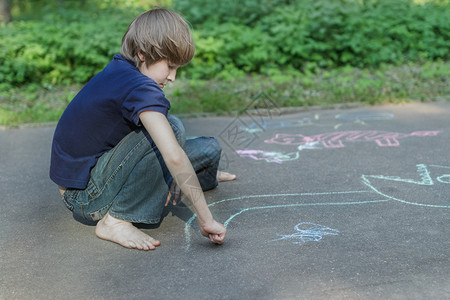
(308, 232)
(256, 127)
(425, 180)
(299, 205)
(276, 157)
(259, 127)
(309, 146)
(425, 175)
(336, 139)
(299, 198)
(443, 178)
(360, 118)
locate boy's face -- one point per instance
(161, 72)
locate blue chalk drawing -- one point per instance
(369, 116)
(260, 127)
(359, 118)
(425, 180)
(308, 232)
(298, 196)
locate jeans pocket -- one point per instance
(94, 204)
(98, 214)
(92, 190)
(76, 201)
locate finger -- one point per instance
(211, 238)
(216, 238)
(168, 198)
(177, 197)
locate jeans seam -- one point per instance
(132, 219)
(67, 203)
(120, 166)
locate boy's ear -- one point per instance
(141, 56)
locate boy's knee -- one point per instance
(213, 147)
(178, 129)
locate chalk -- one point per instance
(308, 232)
(298, 205)
(356, 117)
(189, 222)
(336, 139)
(426, 179)
(276, 157)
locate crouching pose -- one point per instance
(117, 156)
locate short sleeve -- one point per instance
(146, 97)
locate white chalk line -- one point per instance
(422, 169)
(189, 222)
(300, 204)
(367, 182)
(426, 179)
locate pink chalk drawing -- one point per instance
(337, 139)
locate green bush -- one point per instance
(314, 34)
(64, 47)
(206, 13)
(69, 45)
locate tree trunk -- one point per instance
(5, 11)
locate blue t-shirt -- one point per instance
(99, 117)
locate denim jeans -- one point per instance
(131, 181)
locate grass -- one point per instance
(34, 104)
(389, 84)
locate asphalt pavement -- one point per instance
(328, 204)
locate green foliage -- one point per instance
(307, 52)
(61, 48)
(72, 40)
(230, 49)
(247, 12)
(387, 84)
(311, 34)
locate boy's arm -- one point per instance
(183, 173)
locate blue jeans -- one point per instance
(131, 181)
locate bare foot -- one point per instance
(124, 233)
(225, 176)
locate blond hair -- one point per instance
(159, 34)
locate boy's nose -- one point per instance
(172, 75)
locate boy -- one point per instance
(115, 150)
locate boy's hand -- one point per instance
(183, 173)
(214, 231)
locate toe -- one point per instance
(131, 244)
(225, 176)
